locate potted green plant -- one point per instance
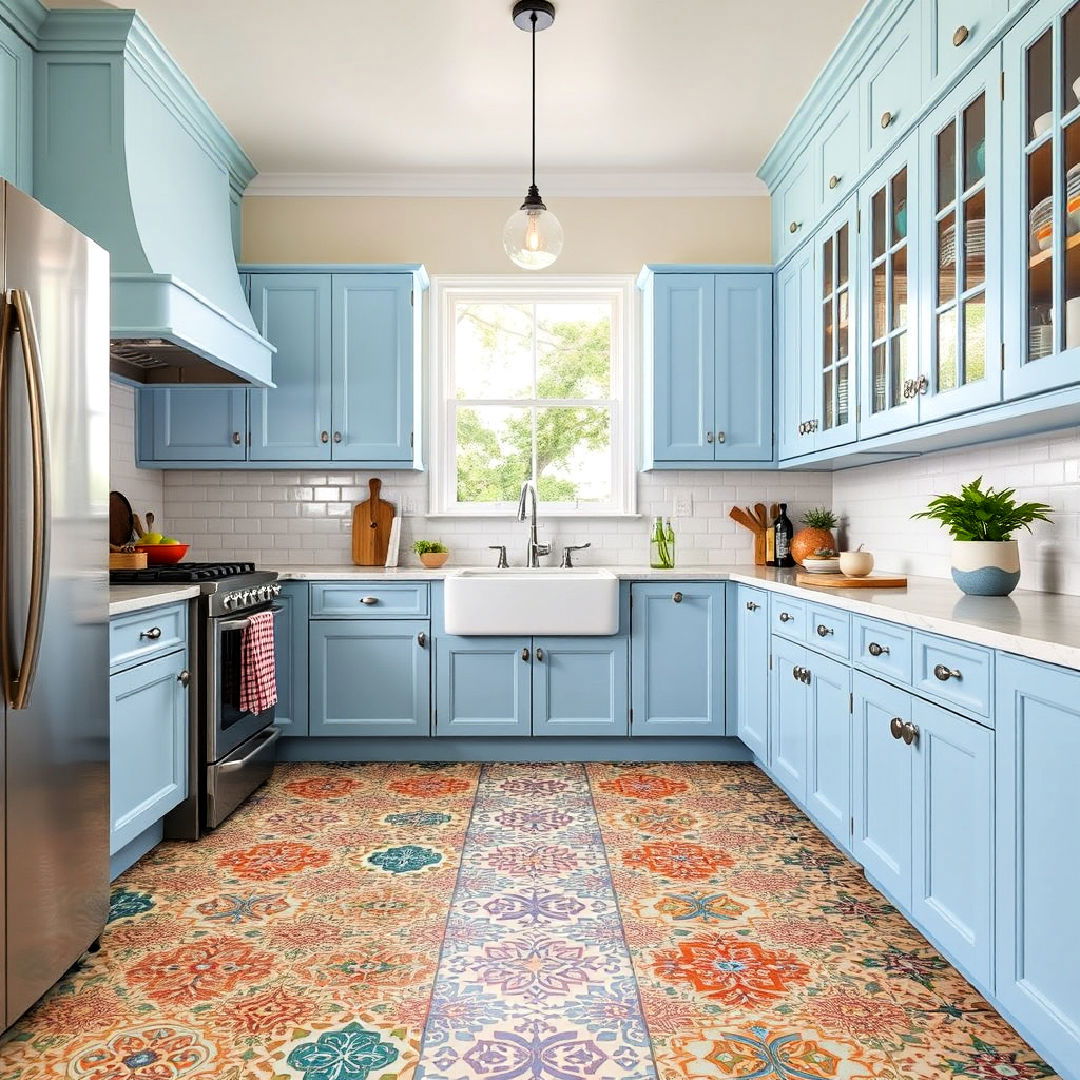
(432, 553)
(816, 536)
(981, 521)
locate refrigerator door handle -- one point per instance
(20, 311)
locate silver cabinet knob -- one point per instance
(721, 436)
(184, 679)
(236, 438)
(896, 727)
(324, 436)
(153, 633)
(786, 616)
(677, 598)
(539, 656)
(751, 606)
(874, 649)
(910, 733)
(525, 655)
(795, 673)
(421, 640)
(823, 630)
(708, 436)
(945, 674)
(337, 436)
(369, 600)
(960, 35)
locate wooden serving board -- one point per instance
(838, 581)
(371, 524)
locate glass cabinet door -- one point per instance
(962, 349)
(1042, 170)
(833, 422)
(889, 216)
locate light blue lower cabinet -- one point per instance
(483, 685)
(580, 686)
(369, 677)
(749, 697)
(881, 780)
(828, 755)
(789, 717)
(677, 660)
(148, 721)
(291, 658)
(1038, 855)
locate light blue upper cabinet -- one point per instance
(483, 685)
(374, 350)
(1042, 200)
(796, 392)
(892, 85)
(953, 33)
(292, 422)
(194, 423)
(581, 686)
(1038, 853)
(838, 152)
(16, 109)
(794, 207)
(677, 627)
(749, 697)
(708, 362)
(889, 210)
(960, 147)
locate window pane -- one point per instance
(899, 207)
(1040, 94)
(946, 259)
(975, 240)
(946, 165)
(898, 312)
(573, 455)
(975, 142)
(1040, 278)
(878, 303)
(899, 369)
(877, 223)
(974, 340)
(573, 343)
(494, 452)
(947, 350)
(877, 396)
(493, 351)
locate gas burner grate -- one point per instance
(180, 573)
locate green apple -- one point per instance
(168, 540)
(152, 539)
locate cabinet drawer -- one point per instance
(787, 617)
(829, 629)
(882, 648)
(353, 600)
(838, 160)
(793, 208)
(892, 85)
(142, 635)
(952, 671)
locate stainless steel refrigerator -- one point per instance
(54, 485)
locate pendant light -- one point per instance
(532, 235)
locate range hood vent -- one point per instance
(131, 154)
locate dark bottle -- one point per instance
(783, 531)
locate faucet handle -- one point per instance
(501, 549)
(567, 554)
(542, 549)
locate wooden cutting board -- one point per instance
(371, 523)
(838, 581)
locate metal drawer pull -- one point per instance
(751, 606)
(421, 639)
(540, 655)
(896, 727)
(677, 598)
(786, 616)
(911, 733)
(708, 436)
(236, 438)
(721, 436)
(337, 436)
(874, 649)
(886, 119)
(324, 436)
(184, 679)
(796, 674)
(945, 674)
(960, 35)
(794, 227)
(525, 655)
(834, 182)
(823, 630)
(153, 633)
(233, 766)
(369, 600)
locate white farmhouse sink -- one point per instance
(527, 602)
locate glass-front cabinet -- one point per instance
(960, 148)
(1042, 192)
(889, 211)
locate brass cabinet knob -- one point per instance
(896, 727)
(910, 733)
(794, 227)
(887, 119)
(960, 35)
(834, 182)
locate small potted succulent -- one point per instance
(981, 521)
(433, 553)
(816, 536)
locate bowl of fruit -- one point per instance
(161, 550)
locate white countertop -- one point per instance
(1043, 626)
(126, 598)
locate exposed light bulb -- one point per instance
(533, 236)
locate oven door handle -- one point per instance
(242, 624)
(272, 737)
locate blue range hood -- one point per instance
(129, 153)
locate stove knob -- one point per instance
(264, 593)
(227, 601)
(249, 596)
(275, 590)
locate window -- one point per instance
(532, 383)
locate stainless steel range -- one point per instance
(234, 749)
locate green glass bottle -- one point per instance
(659, 554)
(669, 536)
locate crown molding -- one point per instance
(24, 17)
(509, 184)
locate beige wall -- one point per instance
(464, 235)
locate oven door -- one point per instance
(227, 725)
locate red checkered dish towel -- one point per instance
(258, 682)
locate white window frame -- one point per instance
(620, 291)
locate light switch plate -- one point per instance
(683, 504)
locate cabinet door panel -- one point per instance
(148, 767)
(839, 153)
(743, 364)
(292, 422)
(892, 85)
(484, 686)
(881, 787)
(369, 678)
(291, 658)
(16, 109)
(373, 367)
(952, 886)
(789, 716)
(751, 695)
(684, 364)
(954, 32)
(670, 638)
(795, 309)
(1038, 852)
(793, 208)
(580, 686)
(828, 774)
(196, 423)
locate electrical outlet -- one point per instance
(683, 504)
(410, 505)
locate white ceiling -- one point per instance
(662, 87)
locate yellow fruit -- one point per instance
(168, 540)
(152, 539)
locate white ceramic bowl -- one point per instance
(821, 566)
(856, 563)
(1042, 123)
(1076, 89)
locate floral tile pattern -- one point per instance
(515, 922)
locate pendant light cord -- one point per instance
(534, 99)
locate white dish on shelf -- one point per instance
(821, 566)
(1042, 124)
